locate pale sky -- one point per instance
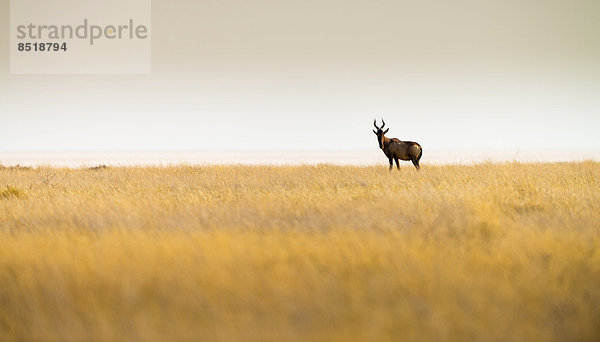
(313, 75)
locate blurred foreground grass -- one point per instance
(490, 252)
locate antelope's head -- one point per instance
(380, 132)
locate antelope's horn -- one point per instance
(375, 123)
(383, 123)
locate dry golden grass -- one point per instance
(489, 252)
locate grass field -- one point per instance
(489, 252)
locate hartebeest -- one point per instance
(396, 149)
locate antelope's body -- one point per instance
(396, 149)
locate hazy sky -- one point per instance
(313, 74)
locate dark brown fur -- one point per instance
(396, 149)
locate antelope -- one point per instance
(396, 149)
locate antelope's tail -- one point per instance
(420, 152)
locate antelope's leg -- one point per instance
(416, 163)
(397, 164)
(391, 163)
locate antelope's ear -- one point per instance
(386, 131)
(374, 132)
